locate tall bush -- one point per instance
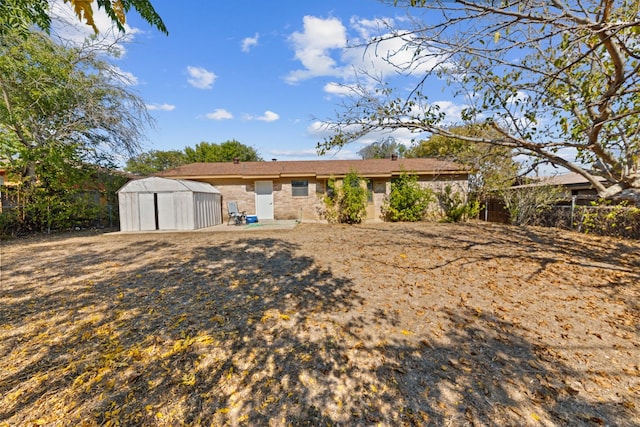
(407, 201)
(455, 207)
(346, 202)
(524, 204)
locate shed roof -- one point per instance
(314, 168)
(159, 185)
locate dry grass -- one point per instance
(390, 324)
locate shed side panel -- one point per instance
(199, 215)
(183, 204)
(217, 209)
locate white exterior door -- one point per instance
(264, 199)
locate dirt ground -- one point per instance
(378, 324)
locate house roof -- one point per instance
(571, 179)
(155, 184)
(371, 168)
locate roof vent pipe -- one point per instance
(236, 160)
(394, 157)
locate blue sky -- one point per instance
(260, 72)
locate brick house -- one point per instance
(295, 189)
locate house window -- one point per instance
(370, 191)
(300, 188)
(379, 187)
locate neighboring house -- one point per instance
(573, 185)
(576, 190)
(296, 189)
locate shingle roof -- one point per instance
(314, 168)
(570, 179)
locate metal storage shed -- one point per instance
(168, 204)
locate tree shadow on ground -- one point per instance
(612, 264)
(251, 331)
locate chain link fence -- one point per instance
(615, 221)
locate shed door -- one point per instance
(147, 211)
(166, 211)
(264, 199)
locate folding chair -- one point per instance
(237, 216)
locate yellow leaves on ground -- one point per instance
(183, 344)
(189, 379)
(274, 314)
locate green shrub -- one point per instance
(407, 201)
(607, 219)
(346, 203)
(455, 207)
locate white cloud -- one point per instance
(339, 89)
(341, 154)
(313, 48)
(452, 111)
(294, 153)
(519, 97)
(250, 42)
(323, 51)
(161, 107)
(369, 28)
(125, 77)
(321, 131)
(387, 57)
(219, 114)
(200, 77)
(268, 116)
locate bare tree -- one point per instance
(559, 80)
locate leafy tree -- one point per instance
(155, 161)
(548, 76)
(491, 167)
(21, 14)
(347, 199)
(382, 149)
(407, 201)
(60, 110)
(53, 96)
(224, 152)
